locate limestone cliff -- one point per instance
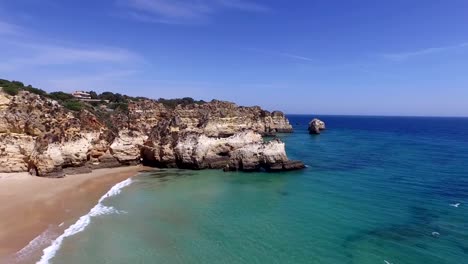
(216, 118)
(39, 135)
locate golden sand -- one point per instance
(30, 205)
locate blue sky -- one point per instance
(312, 57)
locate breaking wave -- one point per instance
(83, 222)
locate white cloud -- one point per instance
(283, 54)
(50, 54)
(244, 5)
(184, 11)
(100, 81)
(407, 55)
(26, 48)
(293, 56)
(152, 19)
(60, 65)
(67, 54)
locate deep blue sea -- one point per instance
(377, 190)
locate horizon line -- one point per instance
(376, 115)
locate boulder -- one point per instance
(316, 126)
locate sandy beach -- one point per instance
(31, 205)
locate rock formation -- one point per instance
(39, 135)
(243, 151)
(316, 126)
(15, 150)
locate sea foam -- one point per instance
(38, 242)
(83, 222)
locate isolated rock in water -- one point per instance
(316, 125)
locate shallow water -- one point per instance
(376, 189)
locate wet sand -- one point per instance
(31, 205)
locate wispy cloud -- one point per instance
(68, 54)
(99, 81)
(51, 54)
(407, 55)
(283, 54)
(244, 5)
(28, 48)
(185, 11)
(141, 17)
(62, 65)
(297, 57)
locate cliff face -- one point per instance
(216, 118)
(39, 135)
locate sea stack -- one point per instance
(316, 126)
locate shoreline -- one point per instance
(35, 210)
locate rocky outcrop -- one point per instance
(216, 118)
(39, 135)
(243, 151)
(270, 156)
(125, 147)
(316, 126)
(50, 158)
(15, 150)
(48, 137)
(218, 135)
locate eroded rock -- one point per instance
(316, 126)
(39, 135)
(15, 150)
(125, 147)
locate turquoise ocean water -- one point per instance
(377, 190)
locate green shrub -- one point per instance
(112, 97)
(119, 107)
(93, 95)
(138, 98)
(73, 105)
(11, 90)
(33, 90)
(4, 83)
(172, 103)
(61, 96)
(14, 87)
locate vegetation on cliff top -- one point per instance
(13, 87)
(111, 101)
(104, 105)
